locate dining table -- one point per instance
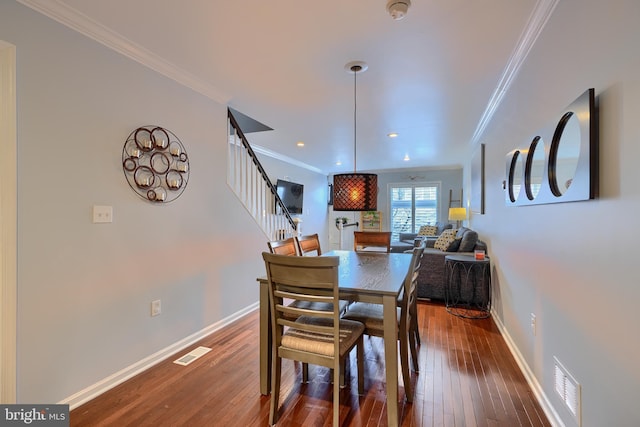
(374, 277)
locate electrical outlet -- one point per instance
(533, 324)
(156, 307)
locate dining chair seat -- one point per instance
(370, 315)
(319, 306)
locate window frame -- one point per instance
(413, 186)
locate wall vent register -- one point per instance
(568, 389)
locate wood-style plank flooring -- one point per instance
(467, 378)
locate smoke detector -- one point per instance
(398, 8)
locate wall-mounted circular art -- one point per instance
(561, 160)
(155, 164)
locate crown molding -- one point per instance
(86, 26)
(537, 20)
(286, 159)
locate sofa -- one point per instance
(432, 275)
(406, 241)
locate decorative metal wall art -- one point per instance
(560, 164)
(155, 164)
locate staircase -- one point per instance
(250, 183)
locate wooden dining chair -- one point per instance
(315, 337)
(372, 241)
(309, 243)
(284, 247)
(371, 315)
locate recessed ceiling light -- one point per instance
(338, 163)
(392, 134)
(300, 144)
(406, 158)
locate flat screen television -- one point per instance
(291, 195)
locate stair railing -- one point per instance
(251, 184)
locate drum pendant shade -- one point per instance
(355, 191)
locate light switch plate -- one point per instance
(102, 214)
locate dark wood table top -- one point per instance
(370, 272)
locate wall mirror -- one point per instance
(561, 161)
(514, 182)
(564, 154)
(534, 168)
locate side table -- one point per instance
(468, 286)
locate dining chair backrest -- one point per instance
(312, 279)
(372, 240)
(308, 243)
(283, 247)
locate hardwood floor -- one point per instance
(467, 378)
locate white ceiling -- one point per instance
(431, 76)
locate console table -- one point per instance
(468, 286)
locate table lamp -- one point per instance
(457, 215)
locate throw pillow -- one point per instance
(427, 230)
(468, 242)
(444, 240)
(453, 246)
(461, 232)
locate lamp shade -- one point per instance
(457, 214)
(355, 192)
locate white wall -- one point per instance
(574, 264)
(84, 290)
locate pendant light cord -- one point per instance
(356, 69)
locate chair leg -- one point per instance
(305, 373)
(404, 362)
(275, 389)
(336, 396)
(344, 371)
(360, 361)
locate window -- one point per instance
(412, 206)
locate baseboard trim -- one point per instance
(129, 372)
(540, 395)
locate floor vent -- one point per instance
(192, 355)
(568, 389)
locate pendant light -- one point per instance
(355, 191)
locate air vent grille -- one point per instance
(568, 389)
(192, 355)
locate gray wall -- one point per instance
(84, 289)
(574, 264)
